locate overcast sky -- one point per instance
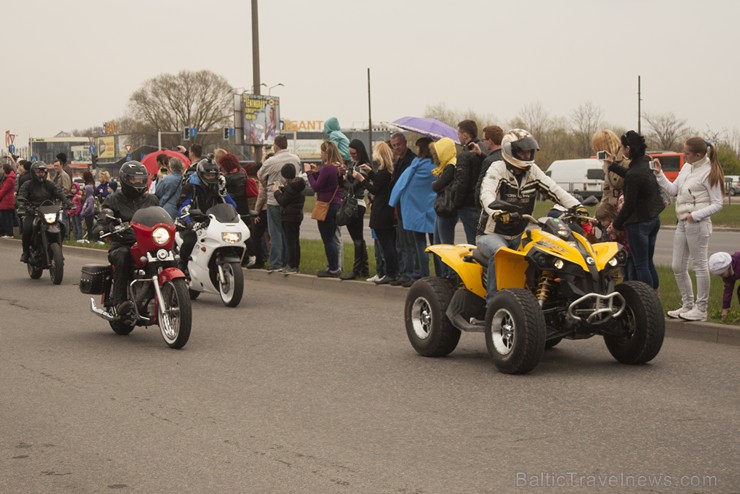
(74, 64)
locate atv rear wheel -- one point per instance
(429, 331)
(515, 331)
(641, 325)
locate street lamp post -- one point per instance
(270, 88)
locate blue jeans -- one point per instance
(406, 251)
(278, 247)
(421, 267)
(489, 244)
(77, 226)
(469, 217)
(444, 233)
(641, 238)
(328, 230)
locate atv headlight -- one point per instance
(50, 218)
(160, 236)
(231, 237)
(619, 259)
(558, 264)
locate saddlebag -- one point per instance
(93, 278)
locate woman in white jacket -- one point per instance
(699, 189)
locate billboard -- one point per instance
(106, 147)
(261, 119)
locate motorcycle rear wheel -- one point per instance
(175, 316)
(231, 288)
(56, 267)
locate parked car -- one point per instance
(733, 185)
(582, 177)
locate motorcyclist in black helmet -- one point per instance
(31, 194)
(204, 189)
(123, 203)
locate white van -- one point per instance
(582, 177)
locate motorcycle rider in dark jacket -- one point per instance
(122, 204)
(204, 189)
(30, 196)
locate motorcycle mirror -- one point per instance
(196, 212)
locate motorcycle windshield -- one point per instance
(224, 213)
(49, 208)
(151, 216)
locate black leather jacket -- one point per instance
(32, 193)
(124, 209)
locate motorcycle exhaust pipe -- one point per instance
(101, 312)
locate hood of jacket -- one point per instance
(297, 184)
(446, 153)
(89, 190)
(331, 125)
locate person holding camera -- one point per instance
(608, 149)
(467, 171)
(643, 204)
(699, 189)
(356, 227)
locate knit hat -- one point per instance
(288, 171)
(719, 262)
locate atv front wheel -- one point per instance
(515, 331)
(429, 331)
(640, 328)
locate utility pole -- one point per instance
(256, 83)
(639, 107)
(369, 115)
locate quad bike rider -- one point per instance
(30, 196)
(546, 284)
(122, 205)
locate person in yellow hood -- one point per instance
(444, 155)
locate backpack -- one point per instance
(252, 189)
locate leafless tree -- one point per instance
(168, 102)
(586, 120)
(666, 130)
(451, 117)
(534, 119)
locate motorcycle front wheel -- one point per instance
(175, 314)
(56, 268)
(231, 287)
(33, 271)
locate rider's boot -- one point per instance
(24, 256)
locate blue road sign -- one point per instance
(11, 149)
(193, 132)
(92, 148)
(231, 131)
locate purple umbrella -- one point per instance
(428, 127)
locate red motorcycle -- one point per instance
(158, 290)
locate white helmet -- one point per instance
(518, 140)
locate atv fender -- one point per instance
(470, 273)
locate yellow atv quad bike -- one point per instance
(555, 285)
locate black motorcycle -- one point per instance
(46, 243)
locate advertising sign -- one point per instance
(106, 147)
(261, 119)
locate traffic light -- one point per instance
(227, 133)
(186, 133)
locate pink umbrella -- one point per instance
(150, 160)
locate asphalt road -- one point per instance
(722, 239)
(300, 390)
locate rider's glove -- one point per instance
(504, 217)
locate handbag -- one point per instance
(444, 204)
(321, 208)
(348, 210)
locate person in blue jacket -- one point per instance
(168, 189)
(413, 191)
(204, 189)
(333, 132)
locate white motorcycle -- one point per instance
(215, 264)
